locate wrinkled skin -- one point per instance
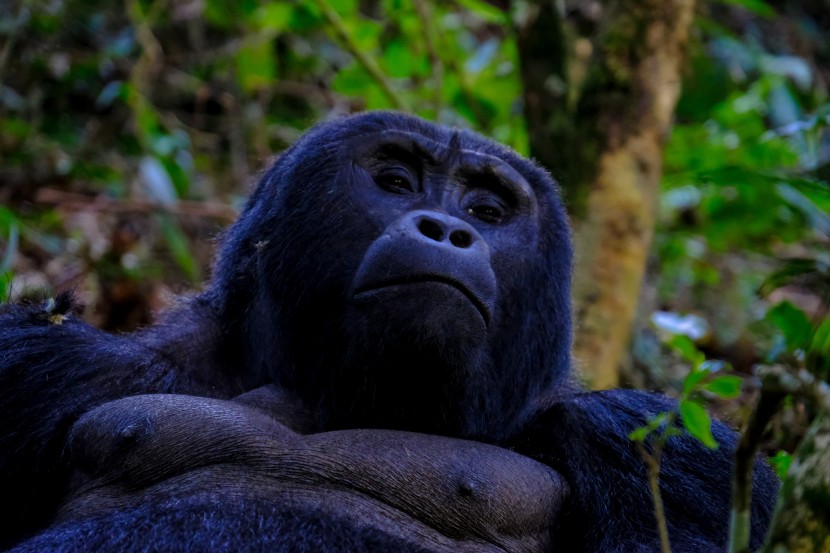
(381, 362)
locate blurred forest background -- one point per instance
(692, 141)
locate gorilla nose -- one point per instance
(437, 227)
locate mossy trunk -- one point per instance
(801, 523)
(603, 138)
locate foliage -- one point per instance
(163, 103)
(124, 130)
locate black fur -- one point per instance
(297, 299)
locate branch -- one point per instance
(434, 59)
(81, 202)
(739, 524)
(364, 59)
(800, 522)
(653, 462)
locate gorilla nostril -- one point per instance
(431, 229)
(461, 239)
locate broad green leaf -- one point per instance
(146, 118)
(821, 339)
(114, 90)
(12, 242)
(725, 386)
(401, 61)
(793, 324)
(816, 216)
(255, 65)
(179, 246)
(758, 7)
(781, 463)
(365, 33)
(5, 285)
(692, 379)
(275, 16)
(484, 10)
(352, 80)
(15, 128)
(791, 269)
(697, 422)
(345, 8)
(156, 181)
(687, 349)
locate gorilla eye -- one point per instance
(489, 213)
(395, 183)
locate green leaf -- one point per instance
(346, 8)
(485, 11)
(790, 271)
(818, 219)
(146, 119)
(639, 434)
(12, 242)
(793, 323)
(275, 16)
(5, 285)
(352, 80)
(255, 65)
(781, 463)
(180, 247)
(697, 422)
(725, 386)
(758, 7)
(692, 379)
(687, 349)
(399, 60)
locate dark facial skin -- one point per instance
(448, 219)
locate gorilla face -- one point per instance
(447, 216)
(400, 270)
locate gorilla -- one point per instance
(381, 362)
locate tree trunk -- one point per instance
(801, 523)
(603, 138)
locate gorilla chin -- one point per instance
(447, 307)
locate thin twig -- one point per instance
(21, 18)
(480, 116)
(653, 462)
(776, 383)
(363, 59)
(435, 62)
(81, 202)
(739, 523)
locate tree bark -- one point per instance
(603, 137)
(801, 523)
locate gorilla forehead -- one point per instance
(328, 140)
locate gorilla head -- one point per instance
(400, 274)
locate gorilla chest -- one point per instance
(208, 465)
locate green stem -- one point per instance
(422, 9)
(657, 497)
(362, 58)
(739, 523)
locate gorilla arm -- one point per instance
(54, 367)
(165, 455)
(585, 438)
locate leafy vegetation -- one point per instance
(126, 131)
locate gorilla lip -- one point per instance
(482, 309)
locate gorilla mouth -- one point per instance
(480, 306)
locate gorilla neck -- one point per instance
(447, 389)
(354, 372)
